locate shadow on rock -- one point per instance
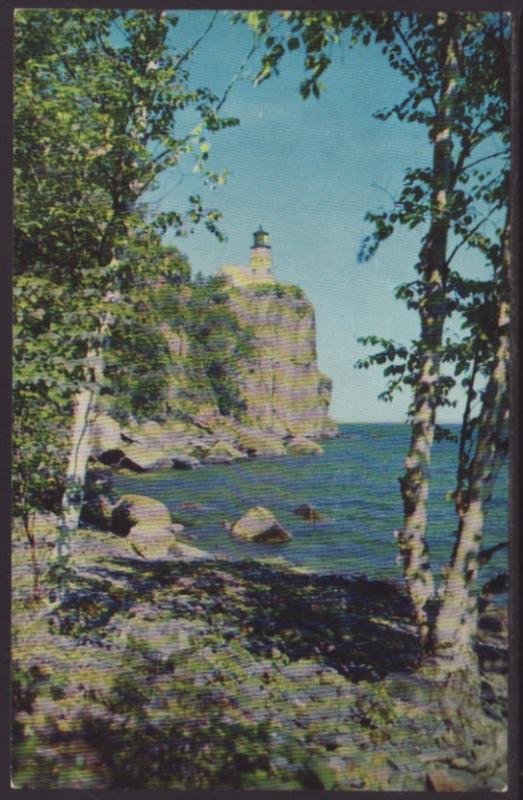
(361, 628)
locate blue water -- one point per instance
(354, 485)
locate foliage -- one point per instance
(96, 124)
(377, 710)
(217, 342)
(412, 43)
(137, 358)
(456, 68)
(101, 101)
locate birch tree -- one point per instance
(456, 623)
(458, 87)
(101, 102)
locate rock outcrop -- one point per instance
(224, 453)
(301, 446)
(281, 385)
(306, 511)
(151, 543)
(105, 434)
(137, 509)
(284, 395)
(259, 524)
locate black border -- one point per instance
(6, 133)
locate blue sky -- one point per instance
(308, 171)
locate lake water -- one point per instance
(354, 485)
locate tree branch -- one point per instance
(417, 64)
(486, 158)
(469, 234)
(256, 43)
(188, 53)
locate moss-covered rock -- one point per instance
(136, 509)
(259, 524)
(259, 442)
(151, 542)
(300, 446)
(105, 434)
(224, 453)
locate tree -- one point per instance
(457, 65)
(218, 342)
(98, 99)
(456, 623)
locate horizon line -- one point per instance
(384, 422)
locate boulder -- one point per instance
(259, 524)
(301, 446)
(141, 459)
(223, 453)
(105, 434)
(99, 499)
(261, 443)
(447, 780)
(306, 511)
(136, 509)
(182, 461)
(218, 460)
(151, 542)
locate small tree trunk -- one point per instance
(456, 624)
(76, 468)
(414, 483)
(28, 524)
(83, 417)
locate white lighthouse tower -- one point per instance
(260, 264)
(260, 261)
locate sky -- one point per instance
(308, 171)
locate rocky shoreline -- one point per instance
(205, 672)
(154, 446)
(194, 442)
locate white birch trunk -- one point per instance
(76, 469)
(456, 624)
(84, 412)
(414, 483)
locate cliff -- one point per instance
(241, 379)
(281, 385)
(278, 383)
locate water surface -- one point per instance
(354, 485)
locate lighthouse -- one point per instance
(260, 261)
(260, 264)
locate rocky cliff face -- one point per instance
(285, 396)
(281, 385)
(277, 381)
